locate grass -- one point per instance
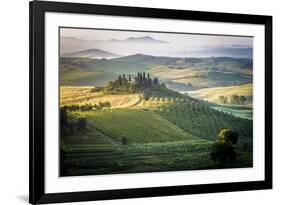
(85, 78)
(138, 126)
(170, 156)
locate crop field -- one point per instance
(138, 126)
(205, 122)
(168, 131)
(79, 95)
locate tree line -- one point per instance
(235, 99)
(87, 106)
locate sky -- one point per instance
(181, 45)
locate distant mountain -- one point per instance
(91, 53)
(143, 39)
(148, 59)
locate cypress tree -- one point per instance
(119, 80)
(155, 81)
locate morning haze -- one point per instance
(177, 45)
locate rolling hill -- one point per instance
(212, 94)
(187, 113)
(90, 53)
(192, 78)
(94, 72)
(167, 132)
(178, 73)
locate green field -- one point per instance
(139, 126)
(170, 156)
(167, 132)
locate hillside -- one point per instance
(226, 63)
(166, 132)
(148, 59)
(80, 95)
(193, 78)
(94, 72)
(138, 126)
(186, 113)
(213, 94)
(90, 53)
(179, 74)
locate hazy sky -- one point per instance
(179, 44)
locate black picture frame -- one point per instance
(37, 10)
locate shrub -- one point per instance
(228, 135)
(223, 152)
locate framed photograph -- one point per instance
(139, 102)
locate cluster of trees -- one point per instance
(70, 126)
(144, 81)
(223, 150)
(87, 106)
(130, 83)
(121, 84)
(235, 99)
